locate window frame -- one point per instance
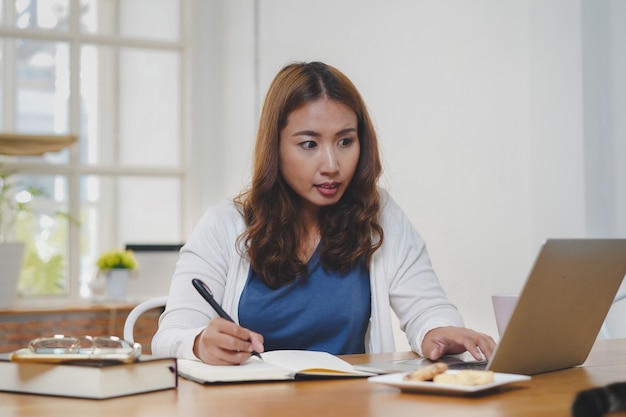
(74, 169)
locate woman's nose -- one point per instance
(329, 161)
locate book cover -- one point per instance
(278, 365)
(88, 379)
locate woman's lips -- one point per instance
(328, 188)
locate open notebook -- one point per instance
(278, 365)
(558, 314)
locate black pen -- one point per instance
(205, 292)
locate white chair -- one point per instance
(129, 324)
(606, 333)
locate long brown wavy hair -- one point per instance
(350, 229)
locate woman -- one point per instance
(313, 255)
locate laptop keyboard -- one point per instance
(453, 363)
(473, 365)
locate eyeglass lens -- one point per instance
(60, 344)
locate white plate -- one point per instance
(397, 380)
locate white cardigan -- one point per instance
(401, 278)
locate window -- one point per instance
(111, 72)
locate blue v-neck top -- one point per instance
(325, 311)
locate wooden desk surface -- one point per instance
(548, 394)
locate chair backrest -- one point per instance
(616, 315)
(135, 313)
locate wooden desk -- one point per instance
(547, 394)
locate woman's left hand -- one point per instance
(453, 340)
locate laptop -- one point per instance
(559, 312)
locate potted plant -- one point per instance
(23, 267)
(12, 205)
(15, 209)
(116, 266)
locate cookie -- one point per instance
(466, 377)
(426, 373)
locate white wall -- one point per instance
(480, 107)
(224, 108)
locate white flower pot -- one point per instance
(116, 283)
(11, 259)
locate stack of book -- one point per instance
(98, 379)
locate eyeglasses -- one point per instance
(88, 346)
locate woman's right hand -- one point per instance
(223, 342)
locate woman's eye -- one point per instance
(309, 144)
(345, 141)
